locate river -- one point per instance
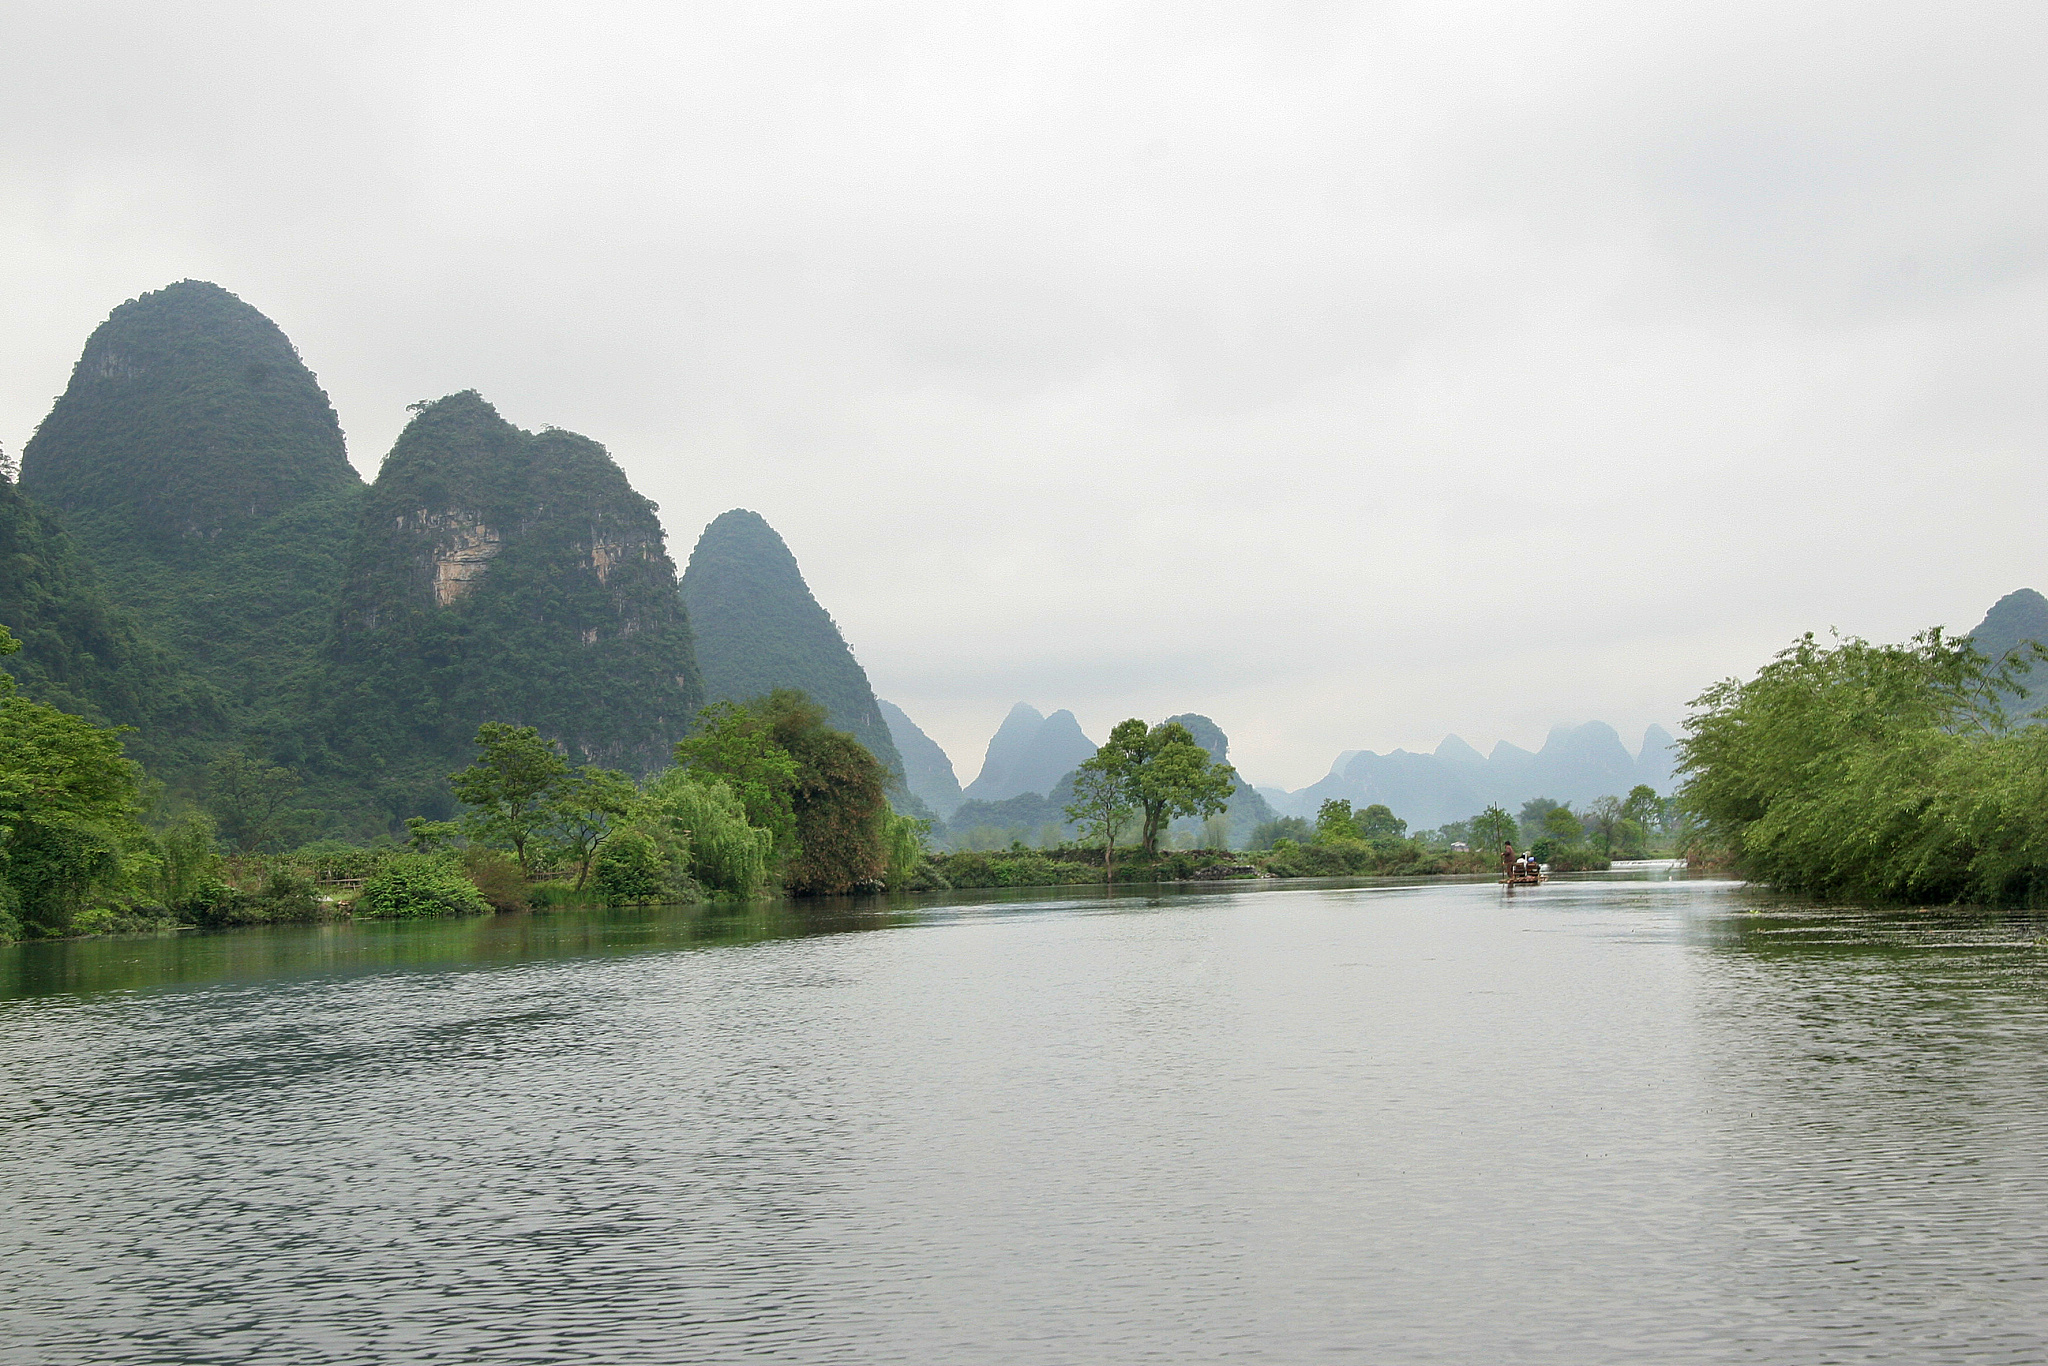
(1612, 1119)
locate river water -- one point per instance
(1607, 1120)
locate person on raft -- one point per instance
(1507, 858)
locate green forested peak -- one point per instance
(188, 414)
(502, 575)
(758, 628)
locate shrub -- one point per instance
(416, 886)
(496, 875)
(630, 869)
(286, 897)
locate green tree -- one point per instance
(249, 800)
(1166, 775)
(67, 809)
(1102, 801)
(1333, 822)
(630, 869)
(583, 809)
(838, 802)
(508, 789)
(903, 842)
(1604, 822)
(1645, 810)
(735, 744)
(1561, 823)
(1378, 822)
(1267, 833)
(1535, 812)
(1493, 828)
(1879, 772)
(702, 829)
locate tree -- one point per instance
(1604, 821)
(1101, 801)
(734, 743)
(1378, 822)
(702, 829)
(1267, 833)
(1492, 828)
(1563, 824)
(1535, 812)
(1165, 774)
(1333, 821)
(509, 787)
(67, 809)
(248, 799)
(1644, 807)
(838, 802)
(583, 809)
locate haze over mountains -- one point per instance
(1031, 759)
(189, 552)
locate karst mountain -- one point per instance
(759, 628)
(201, 470)
(496, 574)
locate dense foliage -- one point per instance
(1879, 772)
(1154, 773)
(416, 886)
(82, 654)
(67, 812)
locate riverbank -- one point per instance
(331, 882)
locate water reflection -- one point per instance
(136, 962)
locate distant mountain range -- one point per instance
(1029, 752)
(1576, 765)
(1028, 773)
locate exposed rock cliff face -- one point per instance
(759, 628)
(500, 575)
(200, 469)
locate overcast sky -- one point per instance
(1351, 373)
